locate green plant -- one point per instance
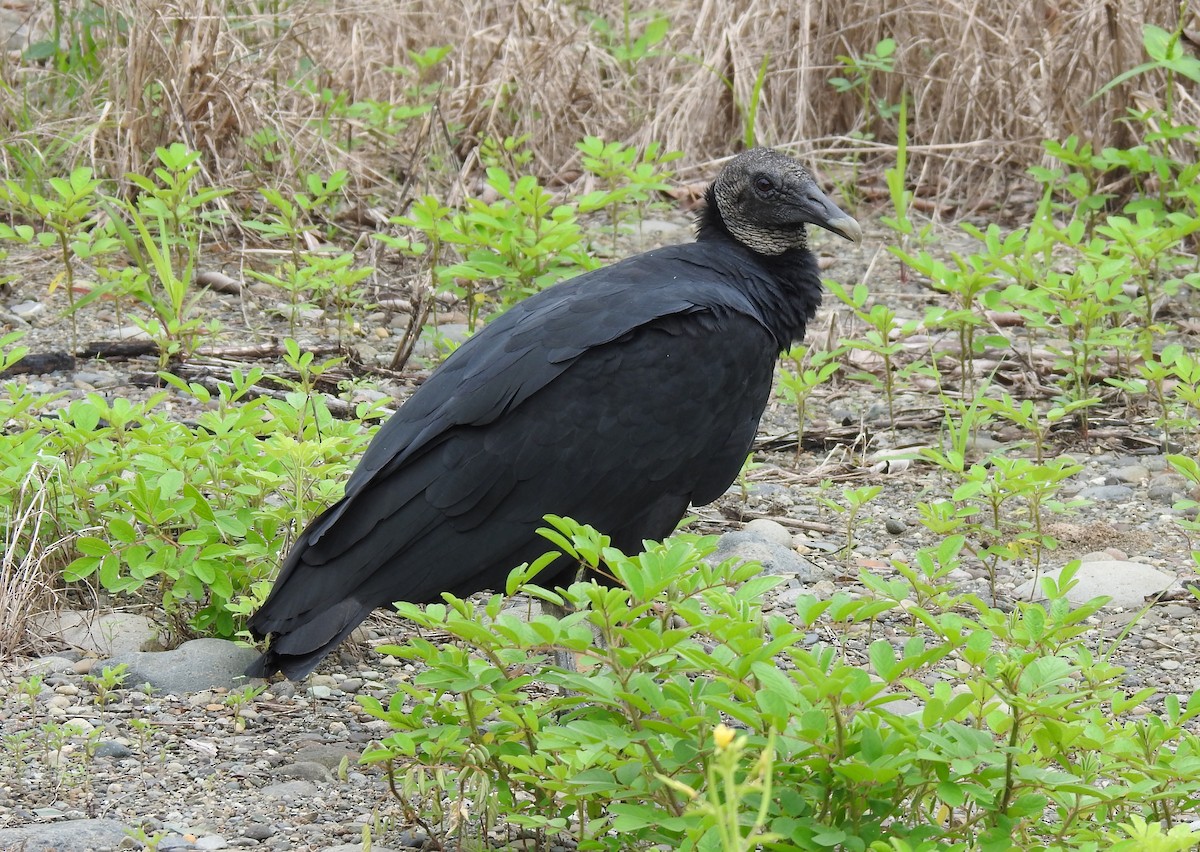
(74, 44)
(185, 517)
(70, 216)
(860, 74)
(168, 217)
(1024, 737)
(103, 684)
(238, 700)
(812, 369)
(629, 179)
(634, 37)
(30, 688)
(884, 338)
(1027, 415)
(521, 243)
(855, 499)
(722, 809)
(144, 729)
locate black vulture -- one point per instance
(617, 398)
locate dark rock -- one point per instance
(258, 831)
(110, 748)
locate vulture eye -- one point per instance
(764, 184)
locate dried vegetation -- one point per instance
(987, 82)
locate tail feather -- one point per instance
(297, 651)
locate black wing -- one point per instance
(616, 399)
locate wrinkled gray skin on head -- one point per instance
(765, 199)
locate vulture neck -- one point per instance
(786, 287)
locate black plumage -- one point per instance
(617, 398)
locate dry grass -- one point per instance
(988, 82)
(25, 587)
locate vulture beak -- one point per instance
(820, 211)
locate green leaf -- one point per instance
(91, 546)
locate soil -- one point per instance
(200, 773)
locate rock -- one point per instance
(73, 834)
(895, 526)
(289, 790)
(193, 666)
(1106, 493)
(53, 664)
(1167, 488)
(28, 310)
(1129, 474)
(307, 770)
(330, 756)
(357, 847)
(106, 635)
(775, 558)
(258, 831)
(1127, 583)
(131, 332)
(451, 332)
(770, 531)
(111, 748)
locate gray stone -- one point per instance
(132, 332)
(1130, 474)
(1106, 493)
(258, 831)
(73, 834)
(211, 841)
(1167, 488)
(28, 310)
(1127, 583)
(53, 664)
(113, 749)
(308, 770)
(775, 559)
(106, 634)
(330, 756)
(895, 526)
(192, 667)
(357, 847)
(770, 531)
(289, 790)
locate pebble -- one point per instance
(895, 526)
(258, 831)
(113, 749)
(1169, 664)
(27, 310)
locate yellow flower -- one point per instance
(723, 736)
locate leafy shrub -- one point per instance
(185, 516)
(1021, 738)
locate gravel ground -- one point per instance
(281, 773)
